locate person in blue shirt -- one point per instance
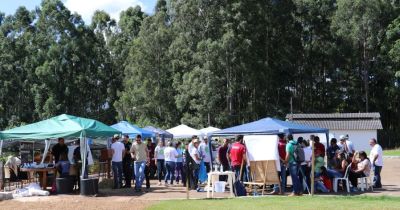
(331, 153)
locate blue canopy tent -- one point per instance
(132, 130)
(268, 126)
(159, 132)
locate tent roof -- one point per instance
(159, 131)
(132, 130)
(62, 126)
(184, 131)
(269, 126)
(209, 130)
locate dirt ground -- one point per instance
(128, 199)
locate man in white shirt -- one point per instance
(118, 152)
(346, 145)
(195, 154)
(376, 158)
(205, 153)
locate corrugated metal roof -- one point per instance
(370, 115)
(343, 124)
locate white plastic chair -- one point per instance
(345, 178)
(366, 182)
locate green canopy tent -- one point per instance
(62, 126)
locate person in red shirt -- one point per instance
(237, 156)
(319, 149)
(282, 173)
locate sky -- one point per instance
(85, 8)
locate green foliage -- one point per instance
(210, 62)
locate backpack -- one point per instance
(298, 153)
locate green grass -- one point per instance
(395, 152)
(283, 202)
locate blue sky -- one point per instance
(83, 7)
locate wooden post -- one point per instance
(312, 167)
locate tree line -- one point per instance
(207, 62)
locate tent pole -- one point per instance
(209, 137)
(1, 147)
(312, 167)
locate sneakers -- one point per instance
(159, 183)
(274, 193)
(294, 194)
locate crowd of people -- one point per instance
(181, 162)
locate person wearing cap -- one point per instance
(140, 154)
(346, 145)
(376, 158)
(118, 152)
(205, 153)
(127, 162)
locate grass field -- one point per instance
(283, 202)
(395, 152)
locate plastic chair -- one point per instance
(345, 178)
(366, 182)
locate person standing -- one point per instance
(195, 155)
(140, 154)
(159, 156)
(127, 162)
(293, 166)
(59, 149)
(346, 145)
(282, 173)
(170, 155)
(376, 158)
(180, 173)
(205, 152)
(118, 152)
(237, 154)
(223, 157)
(152, 168)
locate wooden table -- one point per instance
(214, 177)
(42, 173)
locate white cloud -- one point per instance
(86, 8)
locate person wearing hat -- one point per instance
(346, 145)
(118, 152)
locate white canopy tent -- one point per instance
(209, 130)
(183, 131)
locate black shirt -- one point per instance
(127, 157)
(331, 151)
(58, 149)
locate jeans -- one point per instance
(180, 173)
(236, 169)
(170, 166)
(160, 169)
(139, 173)
(377, 176)
(282, 176)
(117, 173)
(293, 170)
(321, 187)
(334, 174)
(127, 169)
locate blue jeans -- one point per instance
(334, 174)
(282, 176)
(160, 169)
(321, 187)
(170, 171)
(117, 173)
(180, 173)
(377, 176)
(293, 170)
(139, 173)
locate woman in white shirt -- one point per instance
(160, 159)
(363, 168)
(170, 155)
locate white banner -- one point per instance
(263, 147)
